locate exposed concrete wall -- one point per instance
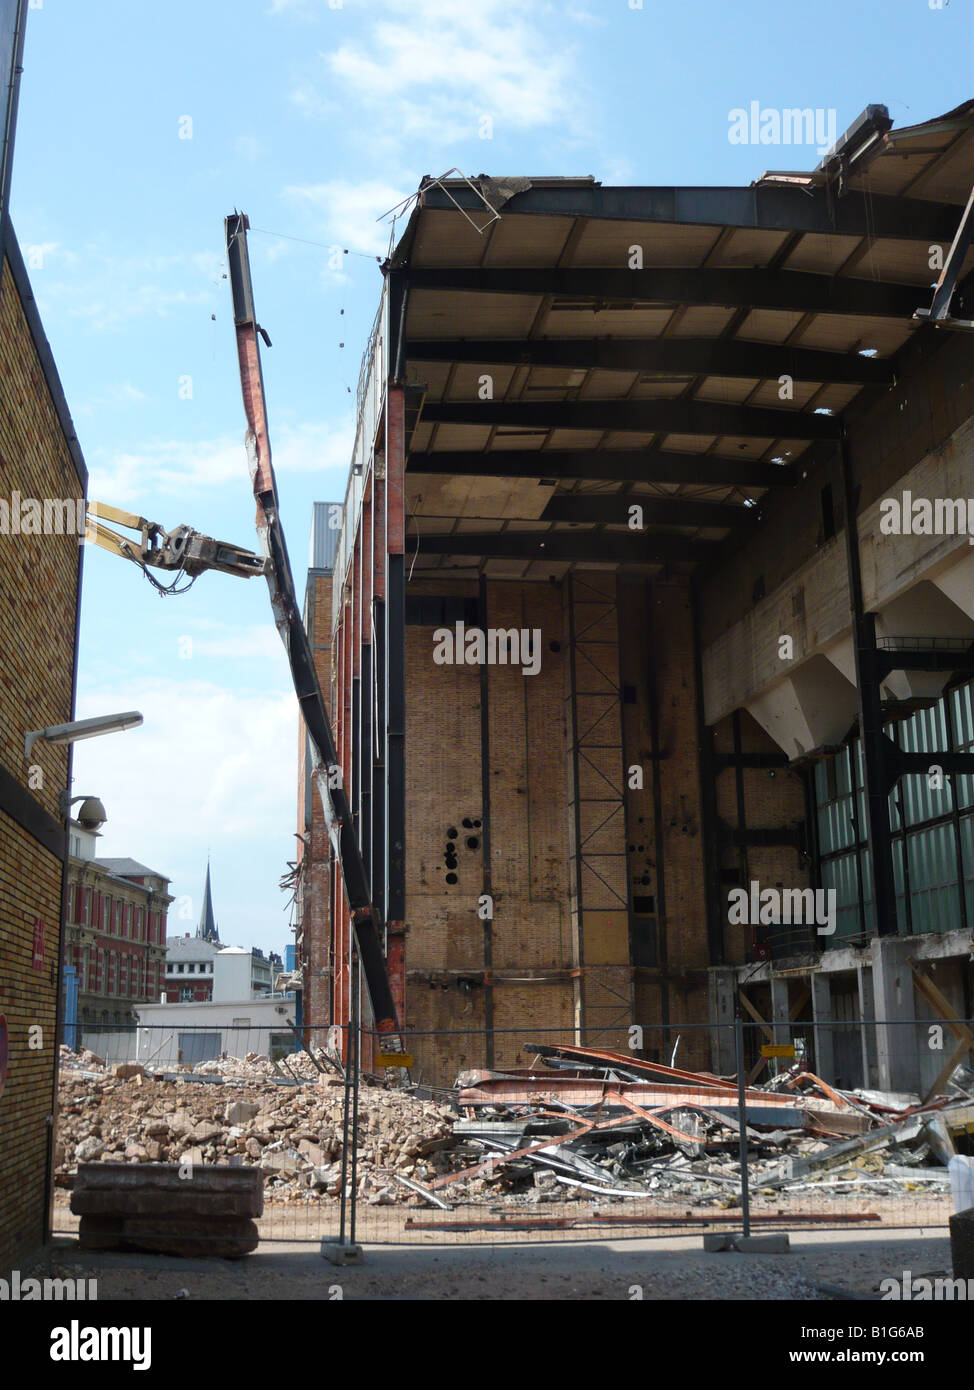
(528, 816)
(639, 671)
(919, 438)
(530, 989)
(920, 586)
(881, 1034)
(933, 399)
(598, 874)
(443, 787)
(681, 830)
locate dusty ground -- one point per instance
(661, 1269)
(497, 1221)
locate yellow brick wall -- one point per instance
(680, 988)
(38, 603)
(529, 859)
(38, 574)
(30, 886)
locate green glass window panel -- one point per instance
(821, 783)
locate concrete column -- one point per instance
(822, 1014)
(723, 991)
(867, 1034)
(895, 1011)
(779, 1010)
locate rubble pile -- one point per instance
(581, 1121)
(619, 1126)
(234, 1112)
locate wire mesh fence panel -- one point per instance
(517, 1134)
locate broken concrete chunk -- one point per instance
(238, 1112)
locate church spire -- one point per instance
(207, 928)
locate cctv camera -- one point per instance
(92, 814)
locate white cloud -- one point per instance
(431, 69)
(579, 13)
(108, 291)
(38, 253)
(248, 147)
(120, 393)
(345, 212)
(179, 465)
(209, 767)
(239, 643)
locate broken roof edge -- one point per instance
(873, 129)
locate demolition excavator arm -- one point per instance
(182, 551)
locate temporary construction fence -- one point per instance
(568, 1138)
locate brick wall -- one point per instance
(678, 992)
(315, 853)
(136, 939)
(30, 886)
(38, 606)
(528, 988)
(771, 799)
(490, 987)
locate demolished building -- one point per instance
(623, 431)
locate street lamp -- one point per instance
(83, 728)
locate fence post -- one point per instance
(354, 1069)
(346, 1117)
(742, 1117)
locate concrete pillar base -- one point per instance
(962, 1244)
(341, 1254)
(777, 1243)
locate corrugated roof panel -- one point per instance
(324, 537)
(433, 314)
(606, 243)
(466, 383)
(822, 255)
(527, 241)
(730, 389)
(840, 333)
(767, 394)
(901, 262)
(447, 238)
(593, 321)
(768, 325)
(746, 247)
(702, 321)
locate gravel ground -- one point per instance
(654, 1270)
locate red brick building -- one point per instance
(116, 935)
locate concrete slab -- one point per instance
(341, 1254)
(774, 1243)
(777, 1243)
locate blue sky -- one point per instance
(316, 117)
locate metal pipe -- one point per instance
(346, 1117)
(10, 116)
(485, 841)
(955, 817)
(356, 1072)
(742, 1115)
(877, 772)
